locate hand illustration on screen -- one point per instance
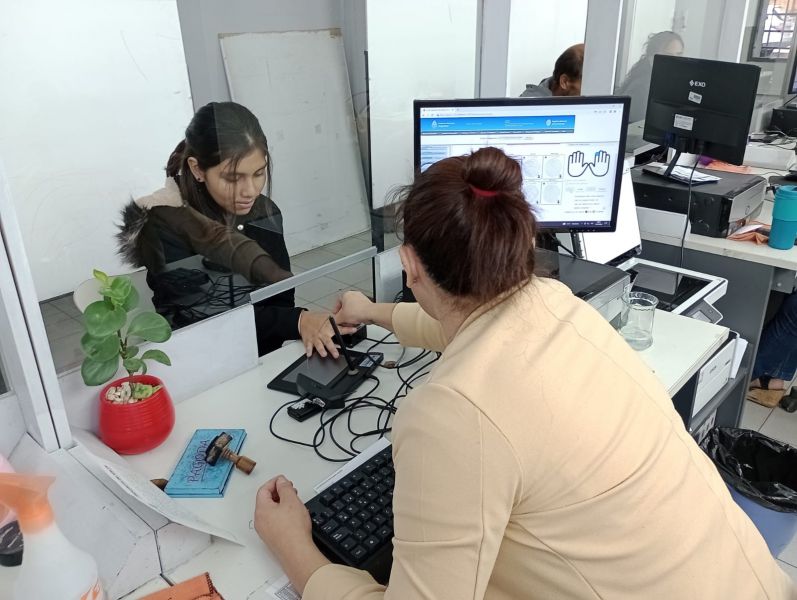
(576, 165)
(601, 165)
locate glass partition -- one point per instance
(90, 180)
(769, 43)
(675, 27)
(539, 31)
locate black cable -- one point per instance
(688, 212)
(329, 418)
(559, 244)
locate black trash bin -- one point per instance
(761, 474)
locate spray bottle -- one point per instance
(10, 535)
(52, 567)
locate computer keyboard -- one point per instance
(353, 518)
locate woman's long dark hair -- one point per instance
(219, 131)
(656, 43)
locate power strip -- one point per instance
(769, 157)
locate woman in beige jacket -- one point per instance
(542, 458)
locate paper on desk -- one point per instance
(738, 353)
(142, 489)
(282, 590)
(755, 232)
(355, 462)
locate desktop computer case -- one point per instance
(718, 209)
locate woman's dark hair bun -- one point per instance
(470, 224)
(491, 170)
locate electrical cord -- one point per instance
(330, 418)
(688, 212)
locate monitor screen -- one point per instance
(570, 150)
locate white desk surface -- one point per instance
(9, 574)
(681, 346)
(153, 586)
(762, 254)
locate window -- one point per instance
(774, 30)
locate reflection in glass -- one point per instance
(637, 81)
(211, 236)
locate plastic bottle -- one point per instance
(784, 219)
(52, 567)
(11, 544)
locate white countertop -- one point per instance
(762, 254)
(680, 347)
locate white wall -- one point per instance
(416, 49)
(203, 20)
(355, 42)
(539, 31)
(95, 97)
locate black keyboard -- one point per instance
(353, 518)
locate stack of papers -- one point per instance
(681, 174)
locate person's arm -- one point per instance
(457, 480)
(218, 243)
(412, 326)
(277, 324)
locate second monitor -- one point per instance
(570, 150)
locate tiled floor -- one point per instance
(64, 325)
(780, 425)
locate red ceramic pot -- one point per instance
(139, 427)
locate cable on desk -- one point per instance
(386, 409)
(688, 212)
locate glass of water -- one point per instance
(637, 323)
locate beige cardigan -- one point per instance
(543, 459)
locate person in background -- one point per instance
(566, 78)
(776, 360)
(637, 81)
(216, 176)
(542, 458)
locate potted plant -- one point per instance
(136, 411)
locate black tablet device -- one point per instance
(332, 373)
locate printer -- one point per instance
(601, 286)
(718, 209)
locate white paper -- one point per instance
(142, 489)
(282, 589)
(748, 228)
(355, 462)
(738, 353)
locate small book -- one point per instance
(193, 477)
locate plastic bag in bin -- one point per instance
(757, 466)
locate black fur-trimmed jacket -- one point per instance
(160, 229)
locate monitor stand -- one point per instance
(668, 172)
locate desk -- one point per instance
(752, 272)
(680, 347)
(8, 576)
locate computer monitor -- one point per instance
(570, 150)
(701, 106)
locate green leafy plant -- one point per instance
(110, 339)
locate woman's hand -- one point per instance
(283, 523)
(354, 308)
(317, 333)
